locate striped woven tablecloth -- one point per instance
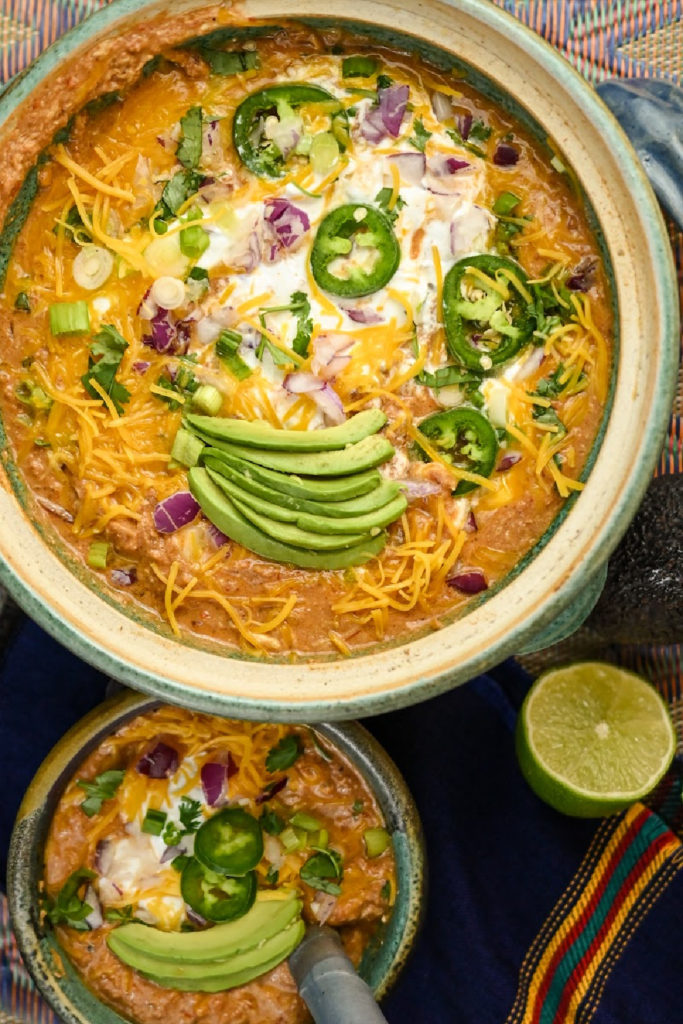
(629, 861)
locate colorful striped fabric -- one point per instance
(628, 865)
(634, 856)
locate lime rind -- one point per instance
(592, 739)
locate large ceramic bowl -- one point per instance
(52, 972)
(556, 584)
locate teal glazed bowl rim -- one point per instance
(57, 980)
(553, 584)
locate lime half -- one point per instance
(592, 739)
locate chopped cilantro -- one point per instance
(446, 376)
(272, 823)
(323, 871)
(385, 891)
(230, 62)
(420, 135)
(283, 754)
(73, 228)
(357, 807)
(384, 82)
(106, 353)
(552, 386)
(480, 131)
(272, 876)
(22, 302)
(455, 135)
(102, 788)
(119, 915)
(382, 199)
(189, 151)
(300, 306)
(190, 814)
(177, 191)
(549, 418)
(67, 907)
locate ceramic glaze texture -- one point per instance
(56, 978)
(506, 60)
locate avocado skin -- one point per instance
(384, 492)
(218, 508)
(641, 601)
(260, 434)
(266, 918)
(322, 524)
(366, 454)
(240, 969)
(341, 488)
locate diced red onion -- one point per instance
(583, 277)
(104, 856)
(364, 316)
(57, 510)
(175, 511)
(194, 917)
(158, 763)
(322, 906)
(288, 223)
(178, 850)
(471, 582)
(471, 523)
(465, 126)
(442, 106)
(414, 489)
(302, 383)
(331, 353)
(273, 851)
(330, 404)
(94, 918)
(441, 164)
(272, 791)
(147, 307)
(411, 166)
(530, 365)
(372, 127)
(215, 189)
(505, 155)
(214, 777)
(125, 577)
(163, 334)
(217, 536)
(141, 366)
(392, 105)
(509, 460)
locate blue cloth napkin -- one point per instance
(499, 858)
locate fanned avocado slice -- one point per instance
(287, 533)
(333, 489)
(259, 434)
(218, 508)
(365, 454)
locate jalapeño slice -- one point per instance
(485, 312)
(350, 234)
(464, 438)
(216, 897)
(261, 154)
(230, 842)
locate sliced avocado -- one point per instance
(365, 454)
(377, 518)
(341, 488)
(239, 969)
(266, 918)
(218, 508)
(260, 434)
(385, 491)
(287, 533)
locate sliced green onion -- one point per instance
(323, 839)
(359, 67)
(69, 317)
(97, 554)
(198, 274)
(193, 241)
(226, 349)
(168, 292)
(186, 448)
(207, 399)
(324, 152)
(32, 395)
(377, 840)
(291, 840)
(305, 821)
(22, 302)
(92, 266)
(154, 822)
(505, 204)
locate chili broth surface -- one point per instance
(99, 465)
(133, 880)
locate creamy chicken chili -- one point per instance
(304, 342)
(187, 853)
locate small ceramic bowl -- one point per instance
(556, 584)
(52, 972)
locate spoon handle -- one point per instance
(328, 982)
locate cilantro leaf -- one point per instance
(102, 788)
(272, 823)
(272, 876)
(283, 754)
(382, 199)
(480, 131)
(190, 814)
(549, 418)
(455, 135)
(446, 376)
(230, 62)
(420, 135)
(178, 190)
(323, 871)
(384, 82)
(182, 383)
(67, 907)
(119, 915)
(552, 387)
(106, 353)
(301, 308)
(189, 151)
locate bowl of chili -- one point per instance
(365, 872)
(556, 578)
